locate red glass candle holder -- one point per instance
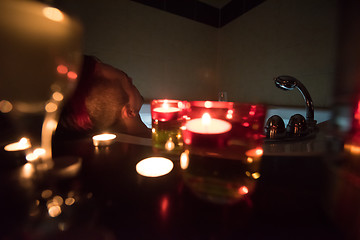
(167, 118)
(223, 128)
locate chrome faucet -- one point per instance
(297, 127)
(289, 83)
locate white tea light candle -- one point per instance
(104, 139)
(154, 167)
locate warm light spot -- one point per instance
(5, 106)
(39, 151)
(53, 14)
(169, 145)
(164, 205)
(104, 139)
(246, 124)
(229, 116)
(248, 173)
(352, 148)
(31, 157)
(206, 119)
(54, 211)
(250, 160)
(154, 166)
(208, 104)
(252, 113)
(22, 144)
(153, 130)
(62, 69)
(46, 193)
(243, 190)
(255, 175)
(184, 160)
(256, 152)
(51, 107)
(57, 96)
(72, 75)
(35, 154)
(180, 105)
(27, 170)
(50, 124)
(69, 201)
(58, 200)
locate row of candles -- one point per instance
(205, 124)
(176, 125)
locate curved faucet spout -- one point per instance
(289, 83)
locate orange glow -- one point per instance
(22, 144)
(72, 75)
(169, 145)
(62, 69)
(35, 154)
(184, 160)
(250, 160)
(208, 104)
(53, 14)
(57, 96)
(46, 193)
(58, 200)
(27, 170)
(252, 113)
(54, 211)
(5, 106)
(256, 152)
(255, 175)
(154, 167)
(51, 107)
(352, 148)
(69, 201)
(243, 190)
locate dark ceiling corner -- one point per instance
(202, 12)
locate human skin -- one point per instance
(107, 100)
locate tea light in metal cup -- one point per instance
(103, 140)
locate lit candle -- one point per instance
(167, 118)
(103, 139)
(165, 112)
(154, 166)
(206, 131)
(22, 144)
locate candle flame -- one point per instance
(206, 119)
(165, 104)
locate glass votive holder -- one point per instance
(167, 118)
(224, 129)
